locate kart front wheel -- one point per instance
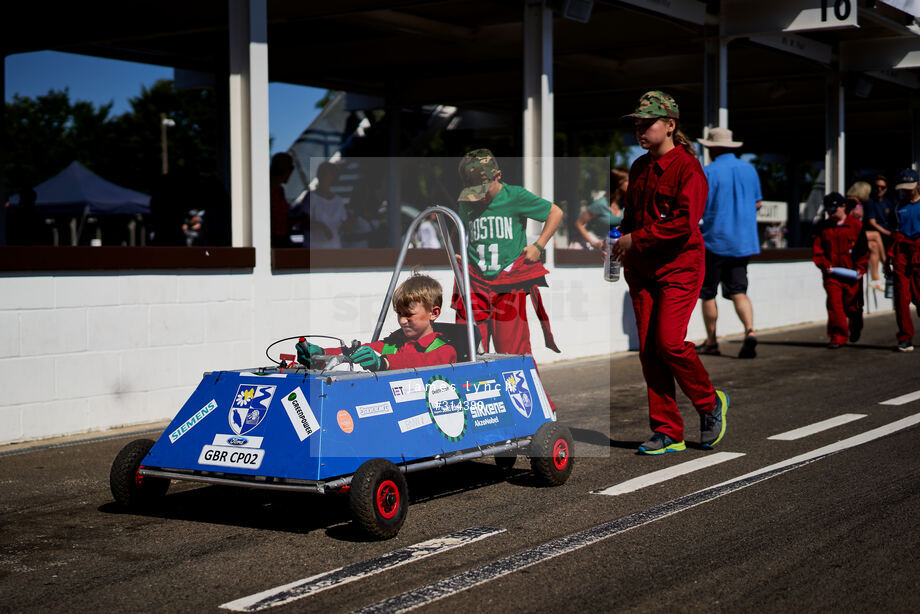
(552, 453)
(129, 487)
(379, 498)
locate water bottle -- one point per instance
(611, 263)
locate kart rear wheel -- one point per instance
(129, 487)
(552, 453)
(379, 498)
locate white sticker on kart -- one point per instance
(405, 390)
(300, 413)
(548, 412)
(186, 426)
(237, 441)
(374, 409)
(238, 458)
(415, 422)
(483, 389)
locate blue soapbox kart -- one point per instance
(335, 429)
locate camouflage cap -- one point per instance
(477, 170)
(655, 104)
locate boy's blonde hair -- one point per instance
(417, 289)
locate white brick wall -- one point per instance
(89, 352)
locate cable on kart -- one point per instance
(274, 343)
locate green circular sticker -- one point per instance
(446, 408)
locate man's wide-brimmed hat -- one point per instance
(477, 170)
(720, 137)
(655, 104)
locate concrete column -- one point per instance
(539, 124)
(3, 194)
(249, 135)
(915, 131)
(715, 87)
(835, 141)
(394, 168)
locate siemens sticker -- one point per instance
(191, 422)
(299, 412)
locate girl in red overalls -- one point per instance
(663, 257)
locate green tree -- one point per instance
(45, 134)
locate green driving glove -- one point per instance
(305, 350)
(368, 358)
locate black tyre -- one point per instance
(506, 460)
(129, 487)
(379, 498)
(552, 453)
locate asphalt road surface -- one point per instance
(813, 521)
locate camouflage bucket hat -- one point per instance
(655, 104)
(477, 169)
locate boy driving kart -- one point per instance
(417, 302)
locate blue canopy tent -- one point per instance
(78, 191)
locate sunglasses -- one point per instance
(881, 187)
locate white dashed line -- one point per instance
(904, 398)
(664, 475)
(817, 427)
(314, 584)
(447, 587)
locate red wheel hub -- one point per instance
(387, 499)
(138, 479)
(560, 454)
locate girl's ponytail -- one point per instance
(681, 140)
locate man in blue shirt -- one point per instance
(729, 229)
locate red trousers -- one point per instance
(506, 324)
(663, 309)
(905, 270)
(844, 301)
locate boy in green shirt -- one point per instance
(504, 268)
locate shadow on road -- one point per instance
(823, 345)
(600, 439)
(302, 513)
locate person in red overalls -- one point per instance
(663, 258)
(841, 252)
(904, 256)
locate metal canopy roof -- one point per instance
(469, 54)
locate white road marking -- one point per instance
(314, 584)
(424, 595)
(663, 475)
(817, 427)
(904, 398)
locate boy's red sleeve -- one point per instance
(817, 254)
(376, 345)
(404, 360)
(861, 253)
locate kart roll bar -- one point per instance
(461, 271)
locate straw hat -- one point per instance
(720, 137)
